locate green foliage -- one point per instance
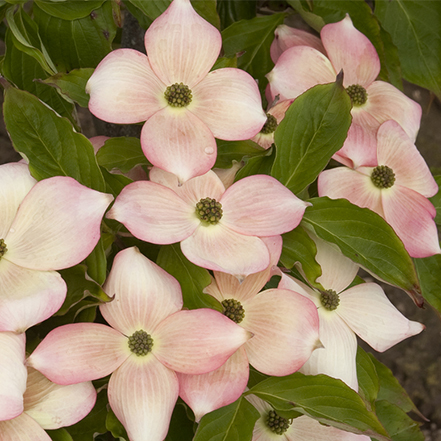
(96, 263)
(257, 165)
(229, 151)
(231, 11)
(429, 275)
(368, 381)
(59, 435)
(69, 10)
(436, 200)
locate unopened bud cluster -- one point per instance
(140, 343)
(3, 248)
(209, 210)
(357, 94)
(178, 95)
(270, 125)
(276, 423)
(233, 309)
(383, 176)
(330, 299)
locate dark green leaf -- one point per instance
(314, 128)
(193, 279)
(315, 21)
(323, 398)
(227, 151)
(234, 422)
(96, 263)
(365, 238)
(429, 274)
(257, 165)
(70, 9)
(59, 435)
(181, 427)
(115, 182)
(49, 142)
(255, 377)
(231, 11)
(436, 200)
(225, 62)
(368, 382)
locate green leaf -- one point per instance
(257, 165)
(225, 62)
(96, 263)
(59, 435)
(231, 11)
(181, 427)
(227, 151)
(312, 19)
(234, 422)
(429, 274)
(193, 279)
(436, 200)
(49, 142)
(323, 398)
(115, 182)
(368, 381)
(415, 30)
(114, 426)
(365, 238)
(299, 248)
(314, 128)
(72, 84)
(68, 10)
(253, 38)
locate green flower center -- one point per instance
(276, 423)
(330, 299)
(178, 95)
(357, 94)
(270, 126)
(383, 176)
(233, 310)
(140, 343)
(209, 210)
(3, 248)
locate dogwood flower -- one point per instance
(44, 226)
(284, 325)
(373, 102)
(363, 310)
(272, 427)
(184, 105)
(218, 229)
(396, 187)
(48, 406)
(150, 340)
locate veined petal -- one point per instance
(285, 327)
(397, 151)
(144, 293)
(297, 70)
(207, 392)
(15, 184)
(219, 248)
(227, 175)
(260, 205)
(124, 89)
(179, 142)
(142, 393)
(369, 313)
(22, 428)
(411, 216)
(154, 213)
(355, 186)
(289, 282)
(12, 375)
(54, 406)
(28, 296)
(350, 50)
(337, 358)
(228, 102)
(197, 341)
(80, 352)
(387, 102)
(286, 37)
(57, 225)
(181, 45)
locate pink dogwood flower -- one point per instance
(48, 406)
(184, 105)
(373, 102)
(396, 187)
(150, 339)
(284, 325)
(44, 227)
(218, 229)
(363, 309)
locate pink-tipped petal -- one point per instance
(337, 358)
(350, 50)
(22, 428)
(144, 293)
(124, 89)
(310, 66)
(154, 213)
(12, 374)
(207, 392)
(57, 225)
(181, 45)
(289, 282)
(80, 352)
(27, 296)
(142, 393)
(197, 341)
(411, 216)
(355, 186)
(285, 327)
(15, 184)
(228, 102)
(260, 205)
(179, 142)
(286, 37)
(369, 313)
(219, 248)
(54, 406)
(397, 151)
(386, 102)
